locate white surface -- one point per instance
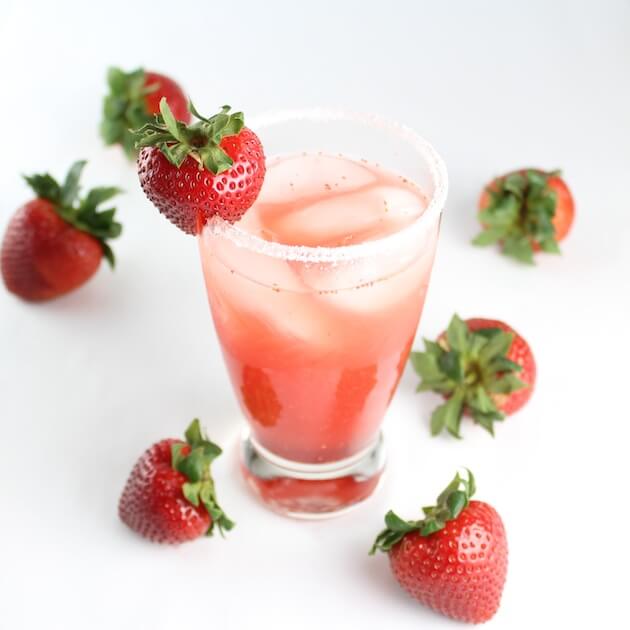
(88, 381)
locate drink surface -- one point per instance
(315, 350)
(323, 200)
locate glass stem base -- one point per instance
(311, 491)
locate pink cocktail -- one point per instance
(316, 295)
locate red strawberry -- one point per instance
(454, 560)
(474, 366)
(170, 496)
(351, 394)
(157, 86)
(526, 211)
(133, 101)
(259, 396)
(54, 244)
(215, 166)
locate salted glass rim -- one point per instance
(318, 254)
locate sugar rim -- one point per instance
(221, 228)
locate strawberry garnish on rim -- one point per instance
(215, 166)
(482, 367)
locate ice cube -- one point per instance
(374, 283)
(246, 287)
(302, 176)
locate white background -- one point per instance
(89, 381)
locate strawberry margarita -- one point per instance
(316, 295)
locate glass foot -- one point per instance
(311, 491)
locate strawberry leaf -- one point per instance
(503, 364)
(175, 154)
(45, 187)
(169, 120)
(430, 527)
(482, 406)
(469, 484)
(426, 365)
(193, 434)
(489, 236)
(450, 365)
(215, 159)
(457, 333)
(550, 246)
(397, 524)
(192, 491)
(498, 343)
(193, 465)
(506, 384)
(100, 195)
(519, 248)
(70, 188)
(108, 254)
(515, 184)
(448, 416)
(487, 420)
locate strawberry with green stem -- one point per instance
(526, 211)
(482, 367)
(170, 495)
(55, 242)
(133, 100)
(453, 560)
(191, 173)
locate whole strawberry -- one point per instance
(54, 243)
(474, 365)
(133, 100)
(170, 496)
(526, 211)
(215, 166)
(454, 560)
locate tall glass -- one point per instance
(316, 338)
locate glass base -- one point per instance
(311, 491)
